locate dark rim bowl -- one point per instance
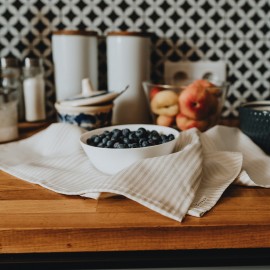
(254, 120)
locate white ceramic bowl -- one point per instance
(88, 117)
(111, 161)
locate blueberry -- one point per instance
(110, 144)
(139, 133)
(151, 142)
(116, 133)
(89, 141)
(101, 145)
(116, 145)
(121, 145)
(132, 136)
(125, 132)
(163, 137)
(171, 137)
(97, 140)
(126, 140)
(145, 143)
(154, 133)
(143, 130)
(155, 138)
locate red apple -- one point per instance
(195, 101)
(184, 123)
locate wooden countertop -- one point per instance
(36, 220)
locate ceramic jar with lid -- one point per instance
(75, 57)
(128, 63)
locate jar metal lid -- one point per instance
(75, 32)
(9, 62)
(129, 33)
(32, 62)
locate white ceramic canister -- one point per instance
(128, 63)
(75, 57)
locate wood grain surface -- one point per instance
(34, 219)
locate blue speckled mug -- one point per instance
(87, 117)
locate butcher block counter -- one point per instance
(41, 227)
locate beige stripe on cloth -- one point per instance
(188, 181)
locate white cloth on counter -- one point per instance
(189, 181)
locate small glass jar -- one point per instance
(9, 95)
(34, 90)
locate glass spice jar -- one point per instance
(34, 90)
(9, 96)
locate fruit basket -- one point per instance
(195, 103)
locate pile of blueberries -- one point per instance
(125, 138)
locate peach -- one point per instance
(203, 83)
(153, 92)
(165, 103)
(184, 123)
(195, 101)
(164, 120)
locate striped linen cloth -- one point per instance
(189, 181)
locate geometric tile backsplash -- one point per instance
(235, 31)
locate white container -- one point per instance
(75, 57)
(128, 63)
(34, 90)
(8, 121)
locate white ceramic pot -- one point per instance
(128, 63)
(75, 57)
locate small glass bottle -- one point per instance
(11, 78)
(9, 88)
(34, 90)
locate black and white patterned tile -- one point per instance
(237, 32)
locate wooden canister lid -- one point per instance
(127, 33)
(75, 32)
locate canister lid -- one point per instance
(7, 62)
(75, 32)
(32, 62)
(129, 33)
